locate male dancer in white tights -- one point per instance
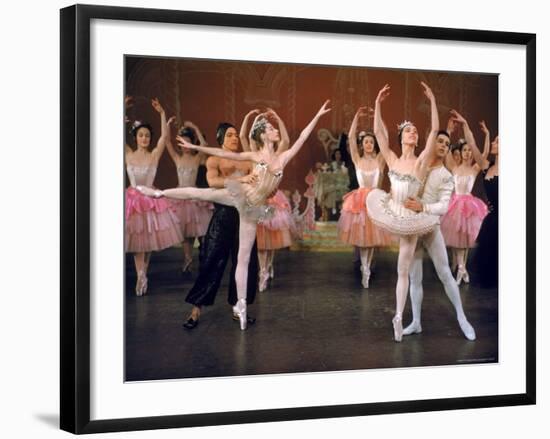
(435, 200)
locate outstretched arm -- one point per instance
(469, 137)
(285, 140)
(219, 152)
(426, 156)
(164, 132)
(380, 130)
(243, 137)
(289, 154)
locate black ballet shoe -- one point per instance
(249, 319)
(190, 323)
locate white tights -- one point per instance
(435, 245)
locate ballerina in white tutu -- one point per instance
(406, 173)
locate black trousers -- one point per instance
(220, 243)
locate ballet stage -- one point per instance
(314, 317)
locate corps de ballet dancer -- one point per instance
(194, 215)
(461, 224)
(435, 199)
(249, 197)
(354, 224)
(277, 231)
(151, 224)
(406, 174)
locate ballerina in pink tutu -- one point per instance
(279, 230)
(460, 225)
(248, 194)
(193, 215)
(354, 225)
(151, 224)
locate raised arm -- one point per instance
(169, 145)
(426, 155)
(219, 152)
(285, 140)
(487, 141)
(469, 137)
(290, 153)
(243, 132)
(352, 135)
(127, 104)
(164, 132)
(380, 130)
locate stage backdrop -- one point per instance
(208, 92)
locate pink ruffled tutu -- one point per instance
(460, 225)
(194, 216)
(355, 226)
(151, 223)
(280, 229)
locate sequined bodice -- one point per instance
(187, 176)
(403, 186)
(141, 175)
(267, 182)
(464, 184)
(368, 178)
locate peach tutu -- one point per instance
(194, 216)
(355, 226)
(460, 225)
(279, 230)
(151, 223)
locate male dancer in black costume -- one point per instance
(222, 237)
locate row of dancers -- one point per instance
(370, 218)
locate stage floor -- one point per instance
(315, 317)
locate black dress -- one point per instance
(220, 243)
(487, 251)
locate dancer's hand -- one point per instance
(484, 127)
(156, 105)
(457, 117)
(383, 94)
(414, 204)
(324, 110)
(427, 91)
(189, 124)
(451, 124)
(128, 101)
(249, 179)
(171, 121)
(184, 143)
(155, 193)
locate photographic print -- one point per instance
(348, 216)
(305, 218)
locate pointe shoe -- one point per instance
(397, 328)
(145, 285)
(467, 329)
(186, 265)
(140, 283)
(414, 328)
(264, 277)
(240, 310)
(460, 274)
(365, 276)
(271, 275)
(466, 277)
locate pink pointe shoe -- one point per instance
(240, 310)
(397, 327)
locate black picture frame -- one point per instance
(75, 217)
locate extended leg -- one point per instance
(436, 249)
